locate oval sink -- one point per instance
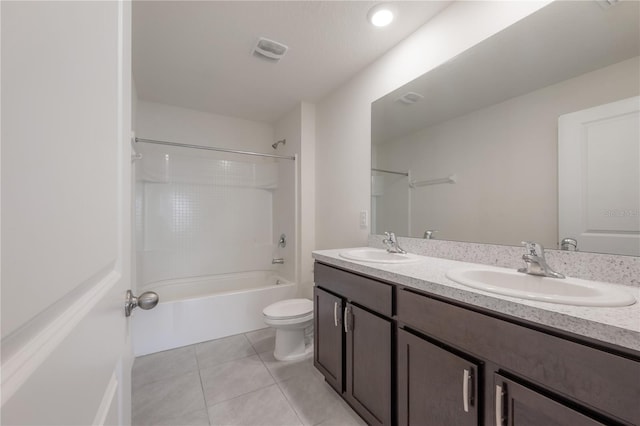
(567, 291)
(379, 256)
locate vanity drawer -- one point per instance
(364, 291)
(606, 382)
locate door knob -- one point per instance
(146, 300)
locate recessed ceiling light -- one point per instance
(381, 15)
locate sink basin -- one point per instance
(568, 291)
(379, 256)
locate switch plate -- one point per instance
(364, 219)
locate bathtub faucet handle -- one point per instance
(278, 261)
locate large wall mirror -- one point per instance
(532, 134)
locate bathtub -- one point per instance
(198, 309)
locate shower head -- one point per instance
(275, 145)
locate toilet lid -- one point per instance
(289, 308)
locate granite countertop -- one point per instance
(619, 326)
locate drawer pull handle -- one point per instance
(499, 398)
(346, 319)
(335, 313)
(466, 379)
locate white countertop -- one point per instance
(619, 326)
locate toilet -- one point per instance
(292, 319)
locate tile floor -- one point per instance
(233, 381)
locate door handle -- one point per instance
(467, 390)
(335, 313)
(147, 300)
(346, 319)
(499, 400)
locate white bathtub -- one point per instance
(198, 309)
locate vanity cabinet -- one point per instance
(353, 340)
(435, 385)
(518, 405)
(328, 336)
(403, 356)
(540, 378)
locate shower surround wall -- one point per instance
(201, 213)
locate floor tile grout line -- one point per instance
(238, 396)
(275, 380)
(173, 376)
(165, 377)
(204, 398)
(289, 402)
(251, 343)
(227, 362)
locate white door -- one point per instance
(66, 77)
(599, 177)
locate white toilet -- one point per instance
(291, 318)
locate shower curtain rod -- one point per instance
(211, 148)
(390, 171)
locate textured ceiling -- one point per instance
(199, 54)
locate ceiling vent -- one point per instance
(269, 49)
(410, 98)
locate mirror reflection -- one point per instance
(530, 135)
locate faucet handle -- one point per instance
(533, 248)
(428, 234)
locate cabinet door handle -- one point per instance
(466, 384)
(335, 313)
(499, 398)
(346, 319)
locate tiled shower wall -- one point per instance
(201, 213)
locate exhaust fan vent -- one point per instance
(410, 98)
(269, 49)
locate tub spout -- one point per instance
(278, 261)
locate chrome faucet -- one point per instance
(428, 234)
(569, 244)
(535, 261)
(392, 243)
(278, 261)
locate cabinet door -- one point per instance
(435, 386)
(368, 365)
(328, 337)
(517, 405)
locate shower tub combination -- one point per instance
(198, 309)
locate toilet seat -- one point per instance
(289, 309)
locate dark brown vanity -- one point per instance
(400, 355)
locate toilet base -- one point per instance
(290, 345)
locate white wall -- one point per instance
(176, 124)
(505, 157)
(298, 128)
(284, 221)
(343, 121)
(307, 198)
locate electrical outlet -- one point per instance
(364, 219)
